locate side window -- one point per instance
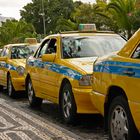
(5, 52)
(42, 49)
(136, 54)
(52, 46)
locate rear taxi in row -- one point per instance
(61, 69)
(12, 66)
(116, 85)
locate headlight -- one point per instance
(20, 70)
(85, 80)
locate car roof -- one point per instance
(15, 45)
(78, 33)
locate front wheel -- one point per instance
(67, 104)
(33, 100)
(120, 122)
(10, 88)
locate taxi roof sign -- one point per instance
(31, 40)
(87, 27)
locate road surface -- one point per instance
(20, 122)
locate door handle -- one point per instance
(129, 73)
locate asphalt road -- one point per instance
(20, 122)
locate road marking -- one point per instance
(21, 134)
(6, 124)
(3, 136)
(25, 125)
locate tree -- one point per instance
(31, 13)
(15, 31)
(62, 15)
(53, 9)
(66, 25)
(83, 13)
(136, 20)
(123, 12)
(92, 13)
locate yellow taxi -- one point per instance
(116, 90)
(61, 69)
(12, 67)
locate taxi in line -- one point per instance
(61, 69)
(116, 85)
(12, 67)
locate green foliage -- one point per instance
(136, 20)
(15, 31)
(62, 15)
(65, 25)
(53, 9)
(124, 12)
(84, 14)
(121, 16)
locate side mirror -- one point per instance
(48, 57)
(3, 58)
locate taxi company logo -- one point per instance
(13, 126)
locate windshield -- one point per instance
(20, 52)
(90, 46)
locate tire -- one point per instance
(120, 122)
(1, 88)
(33, 100)
(67, 104)
(10, 88)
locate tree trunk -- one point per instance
(129, 33)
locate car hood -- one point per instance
(85, 64)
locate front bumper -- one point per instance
(135, 111)
(18, 83)
(83, 101)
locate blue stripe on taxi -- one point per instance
(57, 68)
(120, 68)
(8, 66)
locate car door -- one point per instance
(36, 66)
(3, 67)
(134, 72)
(50, 71)
(131, 74)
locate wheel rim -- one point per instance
(67, 105)
(30, 92)
(9, 87)
(119, 124)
